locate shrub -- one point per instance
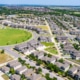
(2, 51)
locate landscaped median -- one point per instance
(43, 27)
(48, 44)
(52, 50)
(50, 47)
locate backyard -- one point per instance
(4, 58)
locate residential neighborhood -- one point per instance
(39, 43)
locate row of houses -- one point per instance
(65, 66)
(40, 9)
(54, 60)
(52, 25)
(29, 47)
(57, 32)
(61, 38)
(70, 50)
(20, 70)
(68, 47)
(73, 71)
(27, 19)
(44, 39)
(30, 74)
(74, 32)
(16, 25)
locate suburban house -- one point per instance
(5, 69)
(44, 39)
(77, 76)
(15, 77)
(72, 71)
(35, 77)
(65, 67)
(21, 69)
(28, 73)
(38, 54)
(14, 64)
(52, 60)
(75, 56)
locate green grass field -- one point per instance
(76, 12)
(48, 44)
(44, 27)
(5, 77)
(10, 36)
(52, 50)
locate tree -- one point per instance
(48, 76)
(61, 60)
(45, 54)
(33, 67)
(19, 59)
(56, 69)
(62, 46)
(39, 62)
(28, 65)
(12, 71)
(54, 78)
(7, 43)
(49, 55)
(39, 70)
(70, 65)
(23, 62)
(2, 51)
(56, 39)
(22, 77)
(76, 46)
(50, 66)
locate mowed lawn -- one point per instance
(43, 27)
(48, 44)
(52, 50)
(10, 36)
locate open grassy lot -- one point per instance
(52, 50)
(4, 58)
(5, 77)
(44, 27)
(76, 12)
(10, 36)
(47, 44)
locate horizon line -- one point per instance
(40, 5)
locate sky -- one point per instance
(42, 2)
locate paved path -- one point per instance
(59, 55)
(53, 39)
